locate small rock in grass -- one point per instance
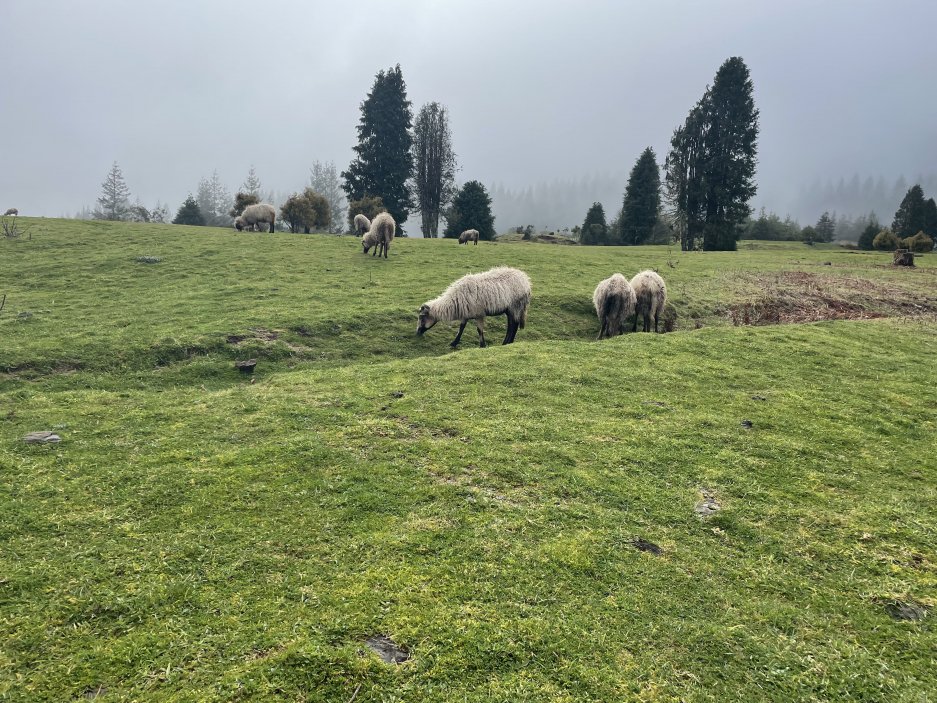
(148, 259)
(387, 649)
(758, 397)
(25, 315)
(708, 505)
(747, 424)
(397, 394)
(642, 545)
(905, 610)
(246, 366)
(44, 437)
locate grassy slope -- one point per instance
(199, 537)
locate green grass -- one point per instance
(199, 537)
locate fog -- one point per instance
(538, 92)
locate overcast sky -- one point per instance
(536, 90)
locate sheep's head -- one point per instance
(239, 223)
(426, 319)
(365, 245)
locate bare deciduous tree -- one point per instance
(434, 165)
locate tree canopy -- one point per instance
(470, 209)
(641, 206)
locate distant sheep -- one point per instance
(614, 301)
(380, 235)
(500, 291)
(469, 235)
(255, 214)
(362, 224)
(11, 211)
(650, 297)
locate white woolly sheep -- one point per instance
(11, 211)
(500, 291)
(380, 235)
(614, 301)
(362, 224)
(650, 297)
(469, 235)
(255, 214)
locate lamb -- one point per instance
(255, 214)
(380, 235)
(650, 297)
(362, 224)
(500, 291)
(614, 301)
(469, 235)
(11, 211)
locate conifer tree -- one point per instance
(251, 185)
(471, 209)
(384, 162)
(114, 203)
(868, 234)
(910, 216)
(189, 213)
(825, 227)
(642, 200)
(594, 228)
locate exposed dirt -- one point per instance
(642, 545)
(707, 505)
(799, 296)
(904, 610)
(387, 649)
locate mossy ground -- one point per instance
(196, 536)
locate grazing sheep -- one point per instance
(362, 224)
(500, 291)
(469, 235)
(380, 235)
(650, 297)
(11, 211)
(614, 301)
(255, 214)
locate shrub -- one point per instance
(885, 240)
(920, 243)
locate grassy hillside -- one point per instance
(522, 520)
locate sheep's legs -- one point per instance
(647, 322)
(635, 329)
(458, 337)
(655, 322)
(386, 247)
(480, 326)
(512, 328)
(603, 330)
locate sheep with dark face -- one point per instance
(256, 214)
(11, 211)
(500, 291)
(469, 235)
(380, 235)
(362, 224)
(614, 301)
(650, 298)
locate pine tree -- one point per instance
(434, 165)
(868, 234)
(470, 209)
(251, 185)
(642, 200)
(826, 227)
(384, 162)
(930, 219)
(114, 203)
(323, 179)
(188, 213)
(910, 217)
(711, 165)
(594, 228)
(214, 201)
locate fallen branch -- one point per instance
(3, 302)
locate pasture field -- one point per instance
(523, 522)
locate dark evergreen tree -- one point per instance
(910, 217)
(470, 209)
(809, 235)
(825, 227)
(114, 203)
(642, 200)
(594, 228)
(711, 166)
(435, 165)
(189, 213)
(868, 234)
(930, 219)
(384, 162)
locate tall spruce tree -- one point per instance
(910, 217)
(868, 234)
(251, 185)
(434, 165)
(470, 209)
(188, 213)
(114, 203)
(825, 227)
(642, 200)
(930, 219)
(711, 166)
(384, 162)
(594, 228)
(323, 179)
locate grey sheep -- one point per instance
(255, 214)
(380, 235)
(469, 235)
(650, 297)
(614, 301)
(500, 291)
(11, 211)
(362, 224)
